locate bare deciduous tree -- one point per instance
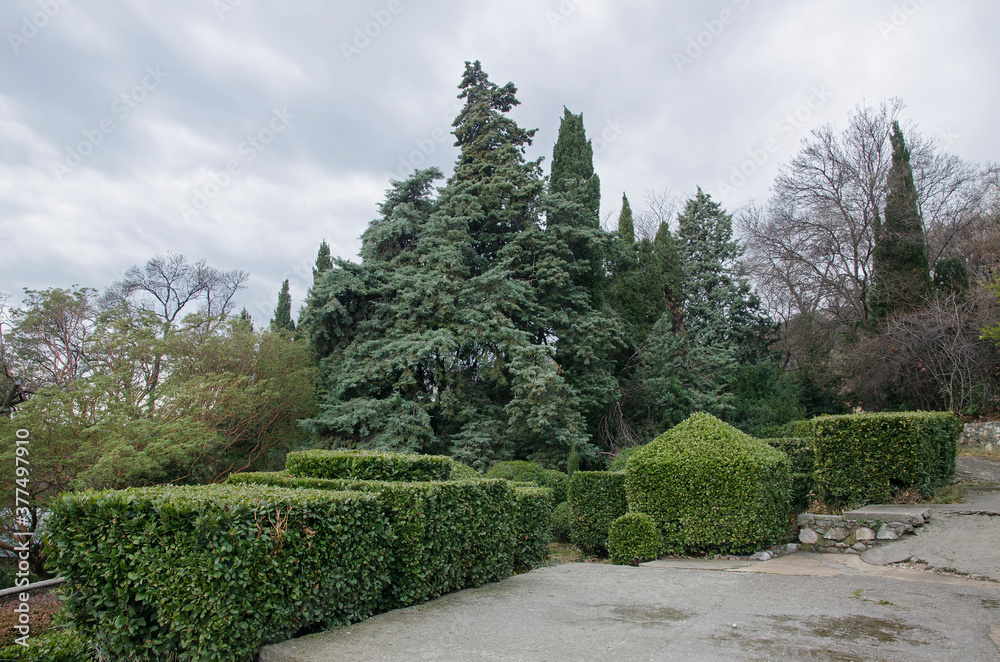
(810, 250)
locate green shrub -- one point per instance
(804, 429)
(58, 645)
(369, 465)
(711, 487)
(445, 536)
(215, 572)
(461, 471)
(561, 521)
(518, 471)
(558, 482)
(597, 498)
(866, 458)
(801, 454)
(633, 538)
(621, 458)
(523, 472)
(532, 526)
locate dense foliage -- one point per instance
(866, 458)
(596, 499)
(710, 487)
(633, 538)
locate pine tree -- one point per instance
(901, 274)
(283, 312)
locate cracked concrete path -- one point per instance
(826, 609)
(833, 607)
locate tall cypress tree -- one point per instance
(626, 226)
(567, 267)
(323, 260)
(901, 273)
(283, 311)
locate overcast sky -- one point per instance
(246, 131)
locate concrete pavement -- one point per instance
(799, 607)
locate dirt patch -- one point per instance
(977, 471)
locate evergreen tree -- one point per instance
(283, 312)
(323, 260)
(567, 269)
(901, 273)
(721, 310)
(626, 226)
(429, 344)
(502, 187)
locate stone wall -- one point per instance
(980, 435)
(848, 535)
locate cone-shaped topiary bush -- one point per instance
(711, 487)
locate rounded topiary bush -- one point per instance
(562, 518)
(710, 487)
(633, 538)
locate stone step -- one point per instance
(912, 515)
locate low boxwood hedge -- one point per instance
(865, 458)
(710, 487)
(633, 538)
(562, 517)
(214, 572)
(596, 498)
(368, 465)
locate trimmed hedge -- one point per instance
(522, 471)
(445, 536)
(558, 482)
(368, 465)
(215, 572)
(633, 539)
(597, 498)
(562, 517)
(57, 645)
(865, 458)
(801, 454)
(518, 471)
(710, 487)
(532, 526)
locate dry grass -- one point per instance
(560, 553)
(981, 453)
